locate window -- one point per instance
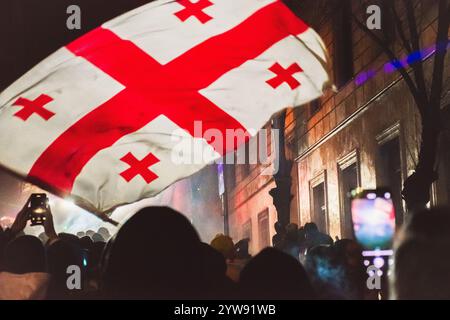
(343, 46)
(263, 229)
(391, 174)
(319, 203)
(348, 180)
(389, 166)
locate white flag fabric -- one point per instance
(111, 118)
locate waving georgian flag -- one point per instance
(96, 120)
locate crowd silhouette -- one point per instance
(157, 254)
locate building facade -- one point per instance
(365, 134)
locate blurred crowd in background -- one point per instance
(157, 254)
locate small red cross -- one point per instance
(139, 167)
(36, 106)
(284, 75)
(194, 9)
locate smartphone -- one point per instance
(373, 215)
(38, 208)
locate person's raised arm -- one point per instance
(21, 220)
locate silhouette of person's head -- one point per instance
(24, 254)
(81, 234)
(279, 227)
(292, 232)
(273, 274)
(421, 264)
(104, 232)
(69, 238)
(97, 237)
(301, 234)
(224, 244)
(310, 227)
(90, 233)
(155, 254)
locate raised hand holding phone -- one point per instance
(38, 211)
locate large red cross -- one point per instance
(153, 89)
(31, 107)
(194, 9)
(285, 75)
(139, 167)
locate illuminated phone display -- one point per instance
(38, 208)
(373, 215)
